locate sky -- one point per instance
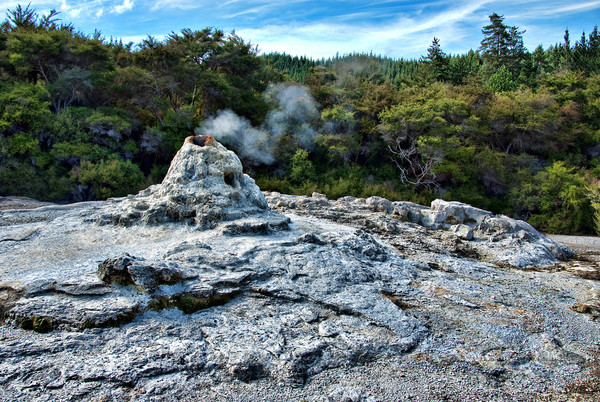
(322, 28)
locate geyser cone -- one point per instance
(205, 184)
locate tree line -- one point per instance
(500, 127)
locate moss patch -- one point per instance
(36, 323)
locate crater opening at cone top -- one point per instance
(200, 140)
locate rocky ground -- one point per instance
(586, 261)
(20, 203)
(204, 288)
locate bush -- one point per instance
(113, 178)
(21, 179)
(301, 169)
(23, 108)
(556, 200)
(501, 80)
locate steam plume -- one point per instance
(295, 114)
(251, 143)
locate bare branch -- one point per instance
(415, 169)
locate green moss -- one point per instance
(42, 324)
(160, 303)
(36, 323)
(190, 304)
(26, 324)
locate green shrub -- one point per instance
(556, 200)
(301, 169)
(21, 179)
(22, 144)
(501, 80)
(23, 108)
(113, 178)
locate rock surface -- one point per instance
(447, 227)
(204, 293)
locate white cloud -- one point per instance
(320, 28)
(403, 37)
(71, 11)
(255, 10)
(180, 4)
(549, 9)
(126, 6)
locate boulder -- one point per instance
(453, 213)
(146, 275)
(463, 232)
(380, 204)
(408, 211)
(507, 240)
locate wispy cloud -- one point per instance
(409, 35)
(553, 8)
(255, 10)
(320, 28)
(126, 6)
(177, 4)
(70, 10)
(74, 10)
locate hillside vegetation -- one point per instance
(502, 128)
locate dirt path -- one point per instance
(586, 262)
(579, 244)
(20, 203)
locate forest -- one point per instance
(501, 127)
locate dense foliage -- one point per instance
(503, 128)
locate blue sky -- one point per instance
(321, 28)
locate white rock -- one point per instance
(463, 232)
(340, 298)
(453, 212)
(380, 204)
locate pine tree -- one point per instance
(502, 45)
(437, 60)
(494, 45)
(566, 52)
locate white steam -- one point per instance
(295, 115)
(251, 143)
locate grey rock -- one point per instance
(128, 270)
(453, 212)
(492, 238)
(445, 213)
(518, 243)
(350, 299)
(342, 394)
(379, 204)
(264, 225)
(408, 211)
(463, 232)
